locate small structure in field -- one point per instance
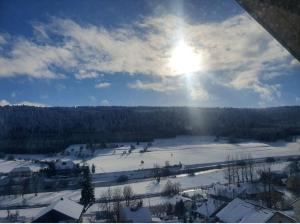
(240, 211)
(80, 151)
(64, 165)
(136, 215)
(63, 210)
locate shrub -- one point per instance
(171, 188)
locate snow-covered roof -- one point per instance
(76, 149)
(228, 191)
(140, 215)
(21, 169)
(64, 164)
(234, 190)
(240, 211)
(209, 207)
(64, 206)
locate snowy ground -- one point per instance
(7, 166)
(187, 150)
(29, 214)
(203, 178)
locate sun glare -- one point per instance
(184, 59)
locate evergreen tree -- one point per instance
(179, 209)
(87, 192)
(93, 168)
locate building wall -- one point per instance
(54, 217)
(296, 207)
(280, 218)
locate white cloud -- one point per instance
(164, 85)
(236, 53)
(102, 85)
(92, 98)
(105, 103)
(4, 103)
(38, 61)
(83, 74)
(23, 103)
(32, 104)
(2, 40)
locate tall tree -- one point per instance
(87, 192)
(128, 194)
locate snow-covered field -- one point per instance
(187, 150)
(203, 178)
(7, 166)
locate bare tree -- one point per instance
(157, 172)
(107, 204)
(117, 202)
(128, 195)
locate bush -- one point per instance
(171, 189)
(122, 178)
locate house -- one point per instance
(135, 215)
(63, 210)
(243, 190)
(22, 171)
(240, 211)
(64, 165)
(209, 208)
(78, 151)
(225, 192)
(296, 207)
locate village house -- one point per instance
(64, 165)
(78, 151)
(63, 210)
(240, 211)
(296, 207)
(209, 208)
(255, 191)
(135, 215)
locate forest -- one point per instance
(25, 129)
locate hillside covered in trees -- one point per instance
(25, 129)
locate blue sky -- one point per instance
(155, 53)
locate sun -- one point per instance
(184, 59)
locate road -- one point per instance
(109, 179)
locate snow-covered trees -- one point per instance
(44, 130)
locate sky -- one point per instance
(206, 53)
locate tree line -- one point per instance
(25, 129)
